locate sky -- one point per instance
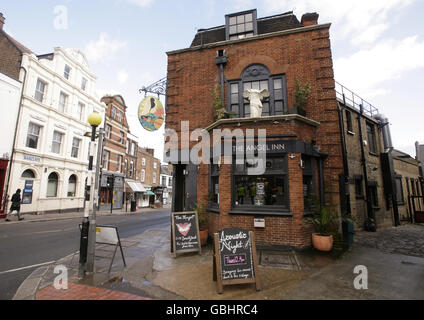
(377, 46)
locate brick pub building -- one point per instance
(305, 146)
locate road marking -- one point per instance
(28, 267)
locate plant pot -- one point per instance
(322, 243)
(203, 237)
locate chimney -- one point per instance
(1, 21)
(310, 19)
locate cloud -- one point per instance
(141, 3)
(363, 21)
(104, 47)
(122, 77)
(365, 70)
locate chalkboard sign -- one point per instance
(185, 232)
(235, 260)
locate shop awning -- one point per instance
(136, 186)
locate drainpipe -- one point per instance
(14, 142)
(370, 224)
(344, 154)
(221, 60)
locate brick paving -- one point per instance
(406, 239)
(83, 292)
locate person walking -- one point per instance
(16, 205)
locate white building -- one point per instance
(10, 93)
(51, 151)
(166, 183)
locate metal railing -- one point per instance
(355, 101)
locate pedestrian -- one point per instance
(16, 205)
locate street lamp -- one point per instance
(94, 119)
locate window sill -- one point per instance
(351, 133)
(258, 212)
(373, 154)
(213, 209)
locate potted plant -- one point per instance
(324, 222)
(301, 98)
(203, 223)
(218, 105)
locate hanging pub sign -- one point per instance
(185, 232)
(151, 113)
(235, 260)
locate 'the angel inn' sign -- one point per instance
(235, 260)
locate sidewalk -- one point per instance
(152, 272)
(71, 215)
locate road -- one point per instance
(25, 245)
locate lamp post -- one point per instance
(94, 120)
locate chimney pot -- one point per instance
(310, 19)
(1, 21)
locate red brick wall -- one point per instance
(10, 58)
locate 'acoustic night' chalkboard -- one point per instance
(235, 259)
(185, 232)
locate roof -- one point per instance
(269, 24)
(403, 156)
(17, 44)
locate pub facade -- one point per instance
(255, 72)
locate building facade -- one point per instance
(148, 174)
(10, 93)
(305, 159)
(166, 183)
(50, 155)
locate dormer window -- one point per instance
(241, 25)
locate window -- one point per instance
(309, 200)
(125, 166)
(84, 84)
(170, 182)
(241, 25)
(359, 191)
(164, 181)
(75, 147)
(105, 164)
(131, 168)
(143, 175)
(143, 161)
(57, 142)
(67, 71)
(258, 77)
(372, 144)
(33, 135)
(214, 189)
(155, 165)
(113, 112)
(119, 163)
(399, 190)
(349, 121)
(81, 108)
(72, 185)
(40, 90)
(132, 148)
(108, 129)
(119, 115)
(269, 190)
(52, 183)
(121, 137)
(28, 174)
(154, 177)
(63, 101)
(372, 187)
(127, 150)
